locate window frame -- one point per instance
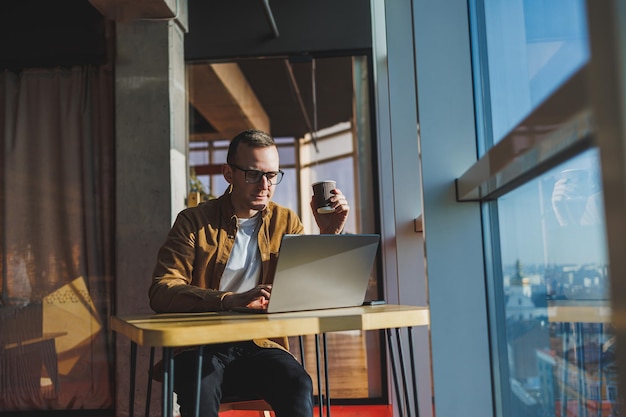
(578, 116)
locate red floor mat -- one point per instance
(335, 411)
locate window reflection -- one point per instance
(556, 288)
(531, 47)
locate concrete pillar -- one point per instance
(151, 168)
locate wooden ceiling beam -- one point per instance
(223, 96)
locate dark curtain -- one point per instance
(57, 246)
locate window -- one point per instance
(527, 49)
(554, 287)
(549, 281)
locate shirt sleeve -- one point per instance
(171, 290)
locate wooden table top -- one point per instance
(188, 329)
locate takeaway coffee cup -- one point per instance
(322, 194)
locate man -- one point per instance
(219, 255)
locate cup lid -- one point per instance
(323, 181)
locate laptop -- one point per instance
(316, 272)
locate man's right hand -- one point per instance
(257, 297)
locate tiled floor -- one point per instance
(336, 411)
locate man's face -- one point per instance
(248, 199)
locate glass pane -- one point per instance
(198, 145)
(555, 289)
(286, 152)
(198, 157)
(286, 193)
(337, 140)
(218, 156)
(530, 48)
(217, 185)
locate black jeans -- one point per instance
(247, 371)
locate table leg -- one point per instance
(319, 374)
(564, 327)
(133, 369)
(168, 382)
(326, 379)
(200, 356)
(403, 372)
(395, 372)
(413, 370)
(403, 398)
(405, 384)
(580, 364)
(600, 372)
(302, 359)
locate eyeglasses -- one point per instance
(252, 176)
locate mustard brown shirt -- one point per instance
(190, 263)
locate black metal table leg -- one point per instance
(403, 399)
(395, 372)
(326, 379)
(302, 358)
(168, 382)
(319, 375)
(405, 390)
(413, 371)
(200, 355)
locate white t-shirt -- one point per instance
(243, 268)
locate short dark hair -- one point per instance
(251, 137)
